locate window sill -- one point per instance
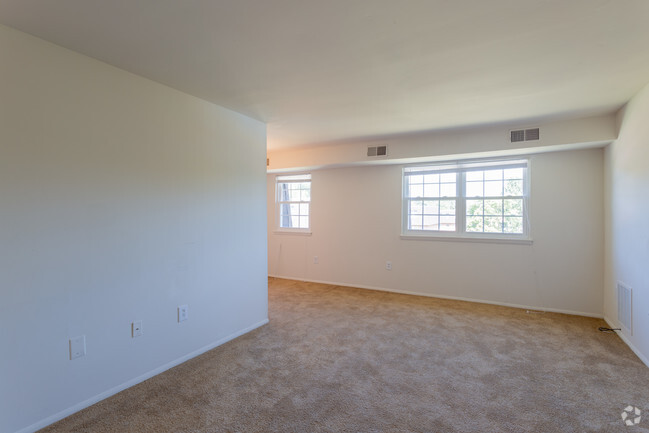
(452, 238)
(292, 232)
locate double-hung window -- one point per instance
(293, 202)
(473, 199)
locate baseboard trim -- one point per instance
(454, 298)
(89, 402)
(614, 324)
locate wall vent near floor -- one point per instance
(377, 150)
(524, 135)
(625, 307)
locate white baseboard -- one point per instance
(455, 298)
(89, 402)
(624, 338)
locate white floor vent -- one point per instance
(625, 307)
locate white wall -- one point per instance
(356, 222)
(119, 200)
(627, 220)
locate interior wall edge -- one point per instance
(612, 324)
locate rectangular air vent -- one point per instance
(518, 135)
(625, 306)
(377, 150)
(532, 134)
(524, 135)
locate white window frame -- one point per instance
(291, 178)
(460, 233)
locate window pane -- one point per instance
(415, 222)
(431, 190)
(474, 224)
(431, 222)
(493, 188)
(447, 223)
(431, 178)
(514, 173)
(295, 221)
(447, 207)
(294, 209)
(448, 190)
(513, 225)
(415, 206)
(474, 189)
(282, 194)
(493, 207)
(294, 195)
(474, 207)
(448, 177)
(418, 178)
(514, 207)
(285, 221)
(304, 222)
(493, 174)
(304, 209)
(493, 224)
(431, 207)
(514, 187)
(474, 175)
(305, 195)
(416, 191)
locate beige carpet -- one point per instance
(336, 359)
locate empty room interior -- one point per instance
(336, 216)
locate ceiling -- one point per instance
(327, 71)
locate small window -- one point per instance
(293, 199)
(473, 199)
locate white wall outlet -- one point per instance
(388, 266)
(315, 260)
(183, 313)
(77, 347)
(136, 328)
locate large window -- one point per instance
(293, 199)
(478, 199)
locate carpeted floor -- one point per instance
(335, 359)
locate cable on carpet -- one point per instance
(605, 329)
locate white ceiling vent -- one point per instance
(377, 150)
(524, 135)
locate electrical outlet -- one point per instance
(77, 347)
(136, 328)
(183, 313)
(315, 260)
(388, 266)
